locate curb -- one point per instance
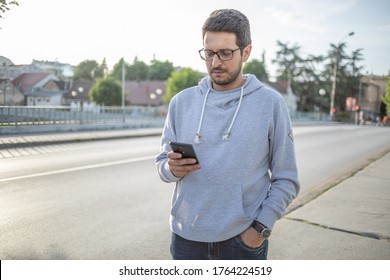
(61, 138)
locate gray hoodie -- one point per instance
(246, 150)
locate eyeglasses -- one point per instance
(223, 55)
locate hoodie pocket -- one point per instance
(209, 209)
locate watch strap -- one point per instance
(262, 230)
(257, 226)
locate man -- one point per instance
(225, 206)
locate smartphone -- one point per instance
(187, 150)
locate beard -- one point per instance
(231, 76)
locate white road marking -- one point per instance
(66, 170)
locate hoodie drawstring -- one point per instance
(198, 136)
(227, 133)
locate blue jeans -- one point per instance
(231, 249)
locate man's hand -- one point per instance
(251, 238)
(181, 166)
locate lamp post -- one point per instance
(123, 90)
(321, 92)
(5, 92)
(334, 76)
(123, 83)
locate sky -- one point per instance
(75, 30)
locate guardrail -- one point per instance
(20, 119)
(40, 116)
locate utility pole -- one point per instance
(334, 76)
(123, 89)
(123, 83)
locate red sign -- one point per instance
(350, 103)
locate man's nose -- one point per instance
(215, 61)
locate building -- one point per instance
(9, 95)
(146, 93)
(8, 70)
(371, 90)
(78, 95)
(285, 89)
(40, 89)
(63, 69)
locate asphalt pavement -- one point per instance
(350, 221)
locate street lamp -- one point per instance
(321, 92)
(123, 83)
(334, 76)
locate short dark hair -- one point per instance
(232, 21)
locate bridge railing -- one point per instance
(53, 115)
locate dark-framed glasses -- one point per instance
(224, 54)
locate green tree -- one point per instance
(288, 60)
(117, 69)
(347, 74)
(180, 80)
(354, 71)
(102, 69)
(89, 70)
(257, 68)
(107, 92)
(4, 6)
(386, 97)
(300, 71)
(159, 70)
(138, 71)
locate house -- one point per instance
(372, 88)
(40, 89)
(78, 95)
(146, 93)
(285, 89)
(8, 70)
(64, 69)
(9, 95)
(142, 93)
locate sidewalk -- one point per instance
(349, 221)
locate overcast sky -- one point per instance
(75, 30)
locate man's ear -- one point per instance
(246, 53)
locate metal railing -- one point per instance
(53, 115)
(132, 116)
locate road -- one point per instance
(104, 200)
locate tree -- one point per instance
(301, 72)
(288, 60)
(107, 92)
(347, 73)
(117, 69)
(137, 71)
(353, 73)
(159, 70)
(89, 70)
(257, 68)
(180, 80)
(386, 97)
(102, 70)
(4, 6)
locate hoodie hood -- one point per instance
(225, 99)
(228, 98)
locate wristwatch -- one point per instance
(262, 230)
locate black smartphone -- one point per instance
(187, 150)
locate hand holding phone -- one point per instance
(186, 150)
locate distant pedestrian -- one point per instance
(225, 206)
(383, 114)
